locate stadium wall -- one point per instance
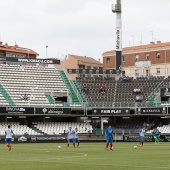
(91, 138)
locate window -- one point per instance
(147, 56)
(136, 58)
(147, 72)
(158, 55)
(158, 70)
(136, 73)
(88, 67)
(20, 56)
(81, 66)
(11, 55)
(107, 60)
(123, 73)
(123, 58)
(8, 55)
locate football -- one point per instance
(59, 147)
(135, 147)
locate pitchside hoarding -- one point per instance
(150, 111)
(30, 110)
(133, 138)
(30, 60)
(164, 92)
(109, 112)
(16, 110)
(62, 138)
(167, 138)
(58, 111)
(34, 138)
(40, 111)
(38, 61)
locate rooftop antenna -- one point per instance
(154, 39)
(133, 39)
(140, 40)
(152, 35)
(129, 43)
(58, 55)
(46, 51)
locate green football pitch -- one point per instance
(90, 156)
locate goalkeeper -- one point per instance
(156, 136)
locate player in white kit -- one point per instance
(8, 137)
(76, 138)
(69, 137)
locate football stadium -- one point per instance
(80, 113)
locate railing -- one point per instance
(72, 85)
(129, 105)
(76, 87)
(84, 105)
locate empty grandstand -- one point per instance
(18, 129)
(38, 83)
(44, 101)
(121, 93)
(52, 128)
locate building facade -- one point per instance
(145, 60)
(80, 62)
(16, 52)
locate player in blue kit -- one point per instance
(142, 135)
(8, 135)
(75, 137)
(109, 137)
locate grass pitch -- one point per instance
(90, 156)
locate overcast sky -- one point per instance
(81, 27)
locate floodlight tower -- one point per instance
(116, 8)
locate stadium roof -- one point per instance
(16, 49)
(86, 59)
